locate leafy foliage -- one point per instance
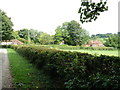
(5, 26)
(58, 35)
(46, 39)
(71, 33)
(101, 35)
(23, 40)
(113, 41)
(15, 35)
(90, 10)
(31, 34)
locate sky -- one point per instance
(46, 15)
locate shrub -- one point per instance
(75, 69)
(23, 40)
(4, 46)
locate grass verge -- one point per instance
(24, 74)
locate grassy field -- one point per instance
(24, 74)
(98, 52)
(77, 49)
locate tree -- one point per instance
(23, 33)
(74, 31)
(71, 33)
(113, 41)
(35, 35)
(46, 39)
(5, 26)
(15, 35)
(31, 34)
(90, 10)
(58, 35)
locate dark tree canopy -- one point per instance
(5, 26)
(101, 35)
(90, 11)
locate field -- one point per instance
(98, 52)
(114, 52)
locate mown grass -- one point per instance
(77, 49)
(98, 52)
(24, 74)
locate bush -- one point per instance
(75, 69)
(23, 40)
(4, 46)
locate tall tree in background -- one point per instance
(35, 35)
(71, 33)
(6, 26)
(58, 35)
(23, 33)
(76, 35)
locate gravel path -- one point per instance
(5, 77)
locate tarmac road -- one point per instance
(5, 77)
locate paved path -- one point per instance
(0, 70)
(5, 77)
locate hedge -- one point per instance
(75, 69)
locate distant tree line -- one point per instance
(70, 33)
(34, 36)
(101, 35)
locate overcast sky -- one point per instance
(46, 15)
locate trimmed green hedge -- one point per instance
(75, 69)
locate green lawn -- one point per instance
(24, 74)
(97, 52)
(77, 49)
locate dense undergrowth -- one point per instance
(74, 69)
